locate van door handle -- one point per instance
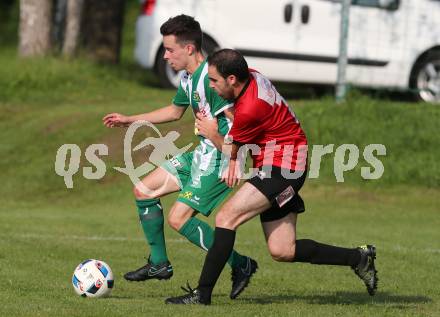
(305, 14)
(288, 11)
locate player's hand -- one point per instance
(206, 127)
(116, 120)
(232, 175)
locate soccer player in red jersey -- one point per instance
(263, 118)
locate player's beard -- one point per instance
(226, 94)
(229, 92)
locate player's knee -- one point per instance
(177, 218)
(174, 222)
(140, 192)
(282, 253)
(223, 220)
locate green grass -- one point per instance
(46, 229)
(407, 130)
(41, 245)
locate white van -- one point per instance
(392, 44)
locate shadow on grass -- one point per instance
(120, 297)
(343, 298)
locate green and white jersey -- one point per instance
(194, 91)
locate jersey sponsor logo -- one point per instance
(196, 96)
(175, 162)
(186, 195)
(196, 200)
(261, 175)
(285, 196)
(205, 112)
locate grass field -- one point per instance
(46, 229)
(42, 243)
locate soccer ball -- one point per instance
(93, 278)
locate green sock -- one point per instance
(151, 218)
(202, 235)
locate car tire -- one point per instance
(425, 78)
(168, 77)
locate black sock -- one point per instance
(317, 253)
(215, 261)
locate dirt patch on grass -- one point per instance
(61, 123)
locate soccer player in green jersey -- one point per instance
(194, 174)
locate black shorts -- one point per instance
(282, 192)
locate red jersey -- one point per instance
(263, 117)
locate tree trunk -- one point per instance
(103, 21)
(35, 26)
(58, 25)
(73, 23)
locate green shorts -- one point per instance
(198, 173)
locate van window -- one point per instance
(385, 4)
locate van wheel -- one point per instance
(168, 77)
(425, 78)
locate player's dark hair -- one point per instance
(230, 62)
(185, 29)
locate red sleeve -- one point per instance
(246, 127)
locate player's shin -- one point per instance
(313, 252)
(201, 234)
(215, 261)
(152, 221)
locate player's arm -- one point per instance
(169, 113)
(162, 115)
(232, 175)
(209, 129)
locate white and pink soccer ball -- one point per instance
(93, 278)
